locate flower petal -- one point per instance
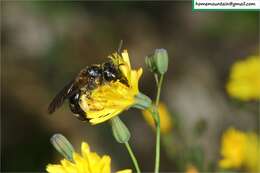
(125, 171)
(105, 164)
(104, 118)
(126, 58)
(55, 169)
(244, 82)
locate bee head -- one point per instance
(110, 72)
(94, 71)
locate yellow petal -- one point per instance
(126, 58)
(244, 80)
(125, 171)
(105, 164)
(85, 149)
(135, 76)
(104, 118)
(233, 145)
(68, 166)
(79, 163)
(55, 169)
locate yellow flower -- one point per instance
(165, 118)
(191, 169)
(87, 162)
(232, 148)
(240, 149)
(252, 155)
(244, 82)
(112, 98)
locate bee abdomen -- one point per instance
(76, 109)
(78, 112)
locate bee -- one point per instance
(86, 81)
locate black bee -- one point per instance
(87, 80)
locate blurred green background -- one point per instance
(45, 44)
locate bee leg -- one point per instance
(91, 84)
(124, 81)
(75, 107)
(80, 117)
(78, 112)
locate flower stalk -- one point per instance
(122, 135)
(157, 64)
(159, 90)
(156, 117)
(130, 151)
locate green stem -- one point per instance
(154, 112)
(156, 79)
(132, 157)
(159, 91)
(158, 126)
(157, 156)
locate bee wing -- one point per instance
(65, 93)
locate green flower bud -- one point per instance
(158, 62)
(142, 101)
(161, 60)
(149, 61)
(63, 146)
(120, 131)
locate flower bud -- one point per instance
(120, 131)
(158, 62)
(161, 60)
(149, 61)
(63, 146)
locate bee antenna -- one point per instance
(120, 46)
